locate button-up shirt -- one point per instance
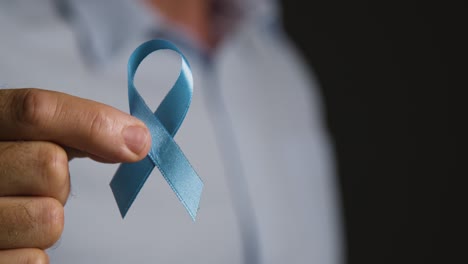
(254, 133)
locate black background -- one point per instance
(386, 70)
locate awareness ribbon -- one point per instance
(163, 125)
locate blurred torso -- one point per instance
(276, 121)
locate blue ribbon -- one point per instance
(163, 125)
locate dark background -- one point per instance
(386, 70)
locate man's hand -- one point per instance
(40, 131)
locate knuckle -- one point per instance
(19, 221)
(33, 107)
(31, 223)
(9, 151)
(15, 223)
(99, 122)
(54, 164)
(52, 219)
(34, 256)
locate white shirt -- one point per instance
(256, 117)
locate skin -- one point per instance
(40, 131)
(192, 16)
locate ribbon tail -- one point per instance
(128, 181)
(180, 175)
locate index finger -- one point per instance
(92, 127)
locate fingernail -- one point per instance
(136, 138)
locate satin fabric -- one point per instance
(163, 125)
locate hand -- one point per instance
(40, 131)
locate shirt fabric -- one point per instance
(254, 133)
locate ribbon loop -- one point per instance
(163, 125)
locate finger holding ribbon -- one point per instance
(40, 131)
